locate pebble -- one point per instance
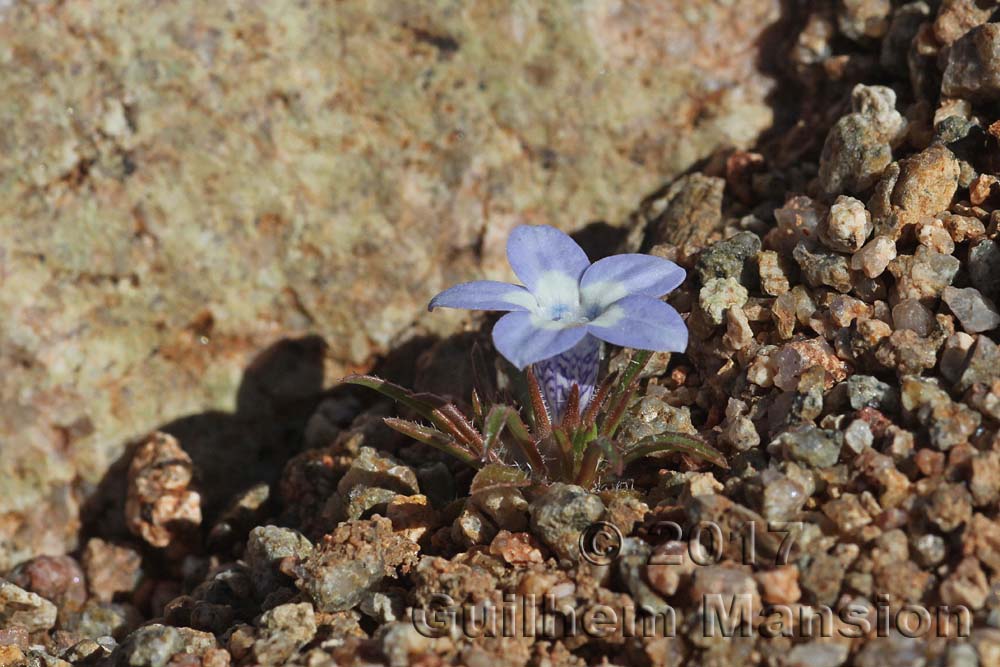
(858, 436)
(954, 355)
(154, 645)
(505, 506)
(973, 66)
(863, 20)
(984, 483)
(956, 18)
(947, 423)
(783, 497)
(773, 274)
(29, 610)
(914, 316)
(927, 181)
(729, 258)
(874, 257)
(907, 352)
(810, 445)
(472, 528)
(84, 652)
(720, 294)
(794, 359)
(934, 236)
(847, 513)
(159, 507)
(882, 469)
(981, 188)
(967, 585)
(847, 226)
(982, 366)
(895, 650)
(780, 585)
(653, 415)
(412, 516)
(924, 274)
(930, 549)
(105, 619)
(984, 268)
(516, 548)
(352, 561)
(963, 228)
(267, 547)
(58, 579)
(739, 334)
(859, 146)
(798, 220)
(111, 569)
(823, 578)
(906, 22)
(975, 312)
(761, 370)
(373, 469)
(981, 538)
(986, 399)
(738, 431)
(963, 655)
(817, 654)
(670, 567)
(950, 506)
(822, 268)
(724, 581)
(402, 645)
(866, 391)
(845, 309)
(561, 514)
(282, 630)
(631, 565)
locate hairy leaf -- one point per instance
(497, 475)
(675, 442)
(434, 438)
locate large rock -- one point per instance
(183, 184)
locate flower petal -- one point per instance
(484, 295)
(536, 250)
(643, 323)
(576, 366)
(524, 338)
(612, 278)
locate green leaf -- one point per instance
(624, 390)
(522, 436)
(515, 425)
(492, 427)
(675, 442)
(434, 438)
(421, 405)
(567, 458)
(582, 437)
(597, 451)
(434, 409)
(497, 475)
(635, 365)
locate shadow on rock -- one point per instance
(230, 452)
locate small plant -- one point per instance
(554, 332)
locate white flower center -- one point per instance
(561, 304)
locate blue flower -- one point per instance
(567, 306)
